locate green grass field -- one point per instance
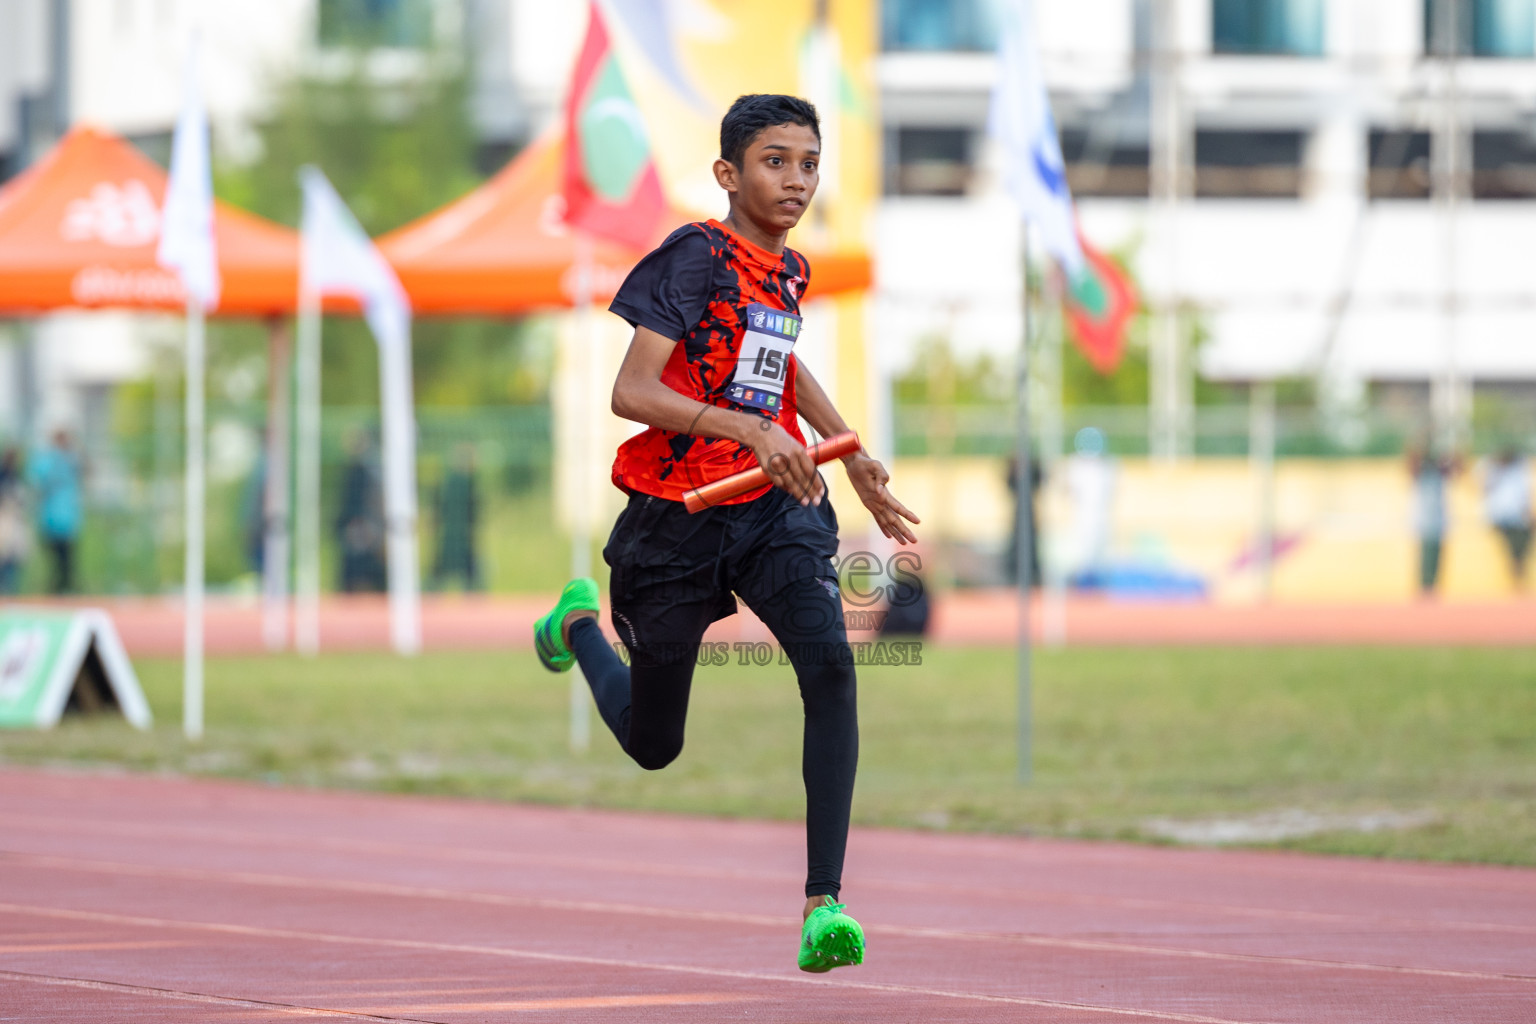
(1443, 738)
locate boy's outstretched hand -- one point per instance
(869, 479)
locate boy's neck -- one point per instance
(744, 227)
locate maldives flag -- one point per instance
(1100, 303)
(610, 184)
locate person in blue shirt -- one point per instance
(1431, 472)
(54, 474)
(15, 532)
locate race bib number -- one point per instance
(762, 368)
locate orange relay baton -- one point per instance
(728, 487)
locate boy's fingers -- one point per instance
(796, 474)
(805, 474)
(900, 508)
(891, 513)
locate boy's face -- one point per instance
(777, 177)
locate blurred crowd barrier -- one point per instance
(1339, 507)
(1343, 527)
(131, 541)
(1212, 430)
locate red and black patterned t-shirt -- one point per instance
(719, 296)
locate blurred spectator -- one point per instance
(458, 510)
(253, 515)
(908, 610)
(1091, 483)
(1430, 472)
(54, 474)
(1507, 503)
(1030, 511)
(15, 534)
(360, 521)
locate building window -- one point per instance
(1399, 164)
(1248, 164)
(1288, 28)
(1098, 164)
(938, 25)
(406, 24)
(1482, 28)
(928, 162)
(1503, 165)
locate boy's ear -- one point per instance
(727, 175)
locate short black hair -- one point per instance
(750, 114)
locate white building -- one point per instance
(1307, 240)
(118, 64)
(1307, 236)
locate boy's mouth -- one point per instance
(794, 201)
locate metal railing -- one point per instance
(1223, 430)
(130, 542)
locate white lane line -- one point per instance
(81, 947)
(592, 961)
(636, 910)
(242, 838)
(286, 1009)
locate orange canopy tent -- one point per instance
(505, 249)
(79, 230)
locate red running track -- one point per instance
(152, 627)
(137, 899)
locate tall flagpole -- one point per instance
(399, 458)
(187, 246)
(1448, 178)
(1035, 174)
(276, 542)
(192, 664)
(306, 589)
(1053, 618)
(1023, 522)
(1168, 168)
(586, 453)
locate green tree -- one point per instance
(396, 146)
(937, 376)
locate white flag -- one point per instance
(338, 258)
(1020, 120)
(186, 220)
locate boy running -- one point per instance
(712, 374)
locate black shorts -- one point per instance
(675, 572)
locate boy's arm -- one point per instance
(639, 395)
(867, 475)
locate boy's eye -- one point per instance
(775, 160)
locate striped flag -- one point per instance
(1100, 302)
(1021, 123)
(610, 183)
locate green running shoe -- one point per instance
(830, 938)
(578, 594)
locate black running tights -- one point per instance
(646, 705)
